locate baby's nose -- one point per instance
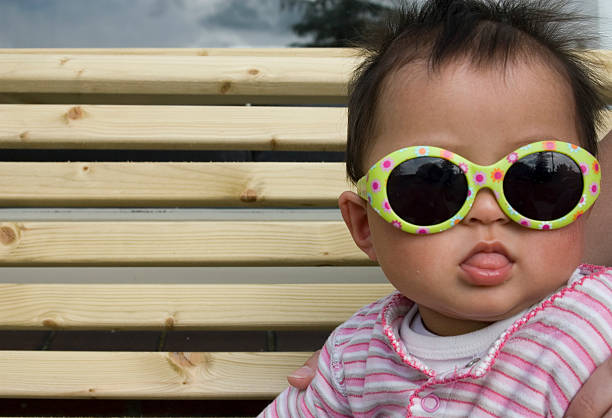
(485, 209)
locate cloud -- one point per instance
(169, 23)
(144, 23)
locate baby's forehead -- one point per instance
(421, 71)
(459, 106)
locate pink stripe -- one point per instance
(381, 376)
(325, 357)
(368, 315)
(386, 392)
(334, 393)
(348, 332)
(529, 368)
(371, 412)
(578, 350)
(358, 347)
(554, 352)
(354, 380)
(335, 414)
(293, 402)
(273, 409)
(305, 408)
(328, 387)
(522, 383)
(595, 303)
(352, 362)
(360, 327)
(374, 361)
(472, 404)
(587, 321)
(491, 395)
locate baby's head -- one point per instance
(481, 80)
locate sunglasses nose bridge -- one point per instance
(486, 178)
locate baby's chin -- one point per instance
(486, 311)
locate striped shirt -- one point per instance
(533, 369)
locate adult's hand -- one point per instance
(594, 399)
(302, 377)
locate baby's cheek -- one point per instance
(558, 251)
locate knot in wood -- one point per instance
(7, 235)
(253, 71)
(225, 87)
(273, 143)
(50, 323)
(75, 113)
(249, 195)
(188, 364)
(169, 323)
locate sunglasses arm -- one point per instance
(361, 188)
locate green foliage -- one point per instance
(334, 23)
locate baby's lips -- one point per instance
(487, 264)
(487, 261)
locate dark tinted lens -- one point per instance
(426, 190)
(544, 186)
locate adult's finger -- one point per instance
(302, 377)
(594, 399)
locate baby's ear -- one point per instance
(355, 215)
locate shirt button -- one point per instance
(430, 403)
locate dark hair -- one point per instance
(484, 31)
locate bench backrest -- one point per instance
(169, 100)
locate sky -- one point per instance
(168, 23)
(145, 23)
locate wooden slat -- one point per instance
(145, 375)
(161, 76)
(181, 307)
(173, 127)
(222, 243)
(178, 127)
(183, 75)
(248, 52)
(171, 184)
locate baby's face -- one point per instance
(487, 267)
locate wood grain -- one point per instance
(171, 184)
(145, 375)
(173, 127)
(206, 243)
(178, 75)
(183, 307)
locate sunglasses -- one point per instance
(424, 190)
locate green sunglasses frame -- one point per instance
(373, 186)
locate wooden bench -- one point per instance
(259, 214)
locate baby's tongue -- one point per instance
(491, 261)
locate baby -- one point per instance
(471, 140)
